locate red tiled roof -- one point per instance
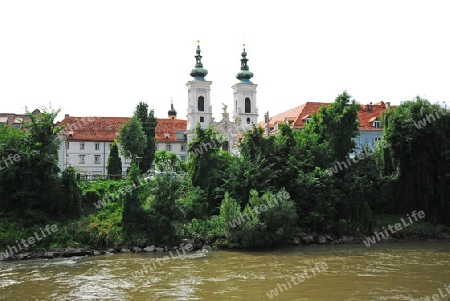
(167, 127)
(366, 115)
(107, 128)
(93, 128)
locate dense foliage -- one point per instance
(279, 187)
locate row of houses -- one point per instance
(86, 141)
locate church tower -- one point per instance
(244, 94)
(199, 106)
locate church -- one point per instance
(244, 114)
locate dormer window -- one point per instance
(276, 126)
(306, 119)
(375, 122)
(167, 136)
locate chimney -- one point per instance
(66, 115)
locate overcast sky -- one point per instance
(100, 58)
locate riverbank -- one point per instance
(196, 246)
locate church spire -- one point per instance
(245, 75)
(199, 73)
(172, 113)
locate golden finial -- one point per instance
(243, 45)
(198, 41)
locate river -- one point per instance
(385, 271)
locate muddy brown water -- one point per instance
(394, 271)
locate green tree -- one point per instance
(418, 134)
(337, 125)
(132, 139)
(149, 122)
(114, 165)
(169, 162)
(208, 164)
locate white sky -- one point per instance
(100, 58)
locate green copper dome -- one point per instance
(199, 73)
(245, 75)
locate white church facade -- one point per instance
(245, 111)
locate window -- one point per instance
(377, 139)
(202, 119)
(110, 145)
(376, 124)
(201, 103)
(16, 125)
(183, 158)
(169, 147)
(97, 159)
(248, 120)
(308, 119)
(225, 146)
(97, 146)
(248, 106)
(183, 147)
(81, 157)
(81, 145)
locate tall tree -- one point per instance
(337, 124)
(419, 157)
(114, 166)
(132, 139)
(149, 122)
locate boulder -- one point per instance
(125, 250)
(151, 248)
(69, 252)
(307, 239)
(321, 239)
(136, 249)
(296, 241)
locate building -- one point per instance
(15, 120)
(370, 128)
(171, 134)
(86, 141)
(245, 111)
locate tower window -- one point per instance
(202, 119)
(376, 124)
(248, 120)
(225, 146)
(248, 105)
(201, 103)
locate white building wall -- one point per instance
(179, 148)
(71, 156)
